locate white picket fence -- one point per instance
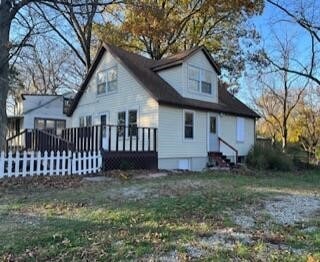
(35, 163)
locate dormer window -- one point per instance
(200, 80)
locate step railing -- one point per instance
(229, 146)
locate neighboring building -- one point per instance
(179, 95)
(38, 112)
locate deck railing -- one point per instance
(113, 138)
(37, 140)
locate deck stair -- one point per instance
(217, 160)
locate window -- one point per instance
(81, 121)
(194, 78)
(132, 123)
(85, 121)
(206, 82)
(240, 129)
(101, 83)
(107, 81)
(188, 125)
(112, 79)
(88, 121)
(55, 125)
(121, 123)
(200, 80)
(40, 124)
(213, 125)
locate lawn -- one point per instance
(179, 217)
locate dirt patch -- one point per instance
(291, 209)
(283, 210)
(155, 190)
(32, 182)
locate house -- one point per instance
(35, 111)
(179, 96)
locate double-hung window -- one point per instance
(121, 123)
(101, 83)
(194, 78)
(85, 121)
(112, 76)
(200, 80)
(206, 82)
(107, 81)
(132, 122)
(188, 125)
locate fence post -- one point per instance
(84, 161)
(10, 164)
(31, 168)
(89, 162)
(69, 163)
(16, 164)
(74, 163)
(99, 161)
(39, 159)
(24, 163)
(57, 163)
(2, 155)
(63, 163)
(51, 159)
(45, 163)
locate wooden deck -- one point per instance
(122, 147)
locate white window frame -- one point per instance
(201, 77)
(186, 139)
(85, 120)
(240, 129)
(105, 73)
(127, 119)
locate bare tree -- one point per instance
(47, 68)
(305, 15)
(279, 91)
(10, 10)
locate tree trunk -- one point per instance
(4, 69)
(284, 138)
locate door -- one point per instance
(213, 133)
(104, 121)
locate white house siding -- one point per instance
(228, 132)
(172, 147)
(174, 76)
(41, 106)
(199, 60)
(130, 95)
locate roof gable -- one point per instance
(179, 58)
(144, 70)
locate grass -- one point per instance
(153, 218)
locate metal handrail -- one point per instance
(230, 146)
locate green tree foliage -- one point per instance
(161, 27)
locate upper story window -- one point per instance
(200, 80)
(107, 81)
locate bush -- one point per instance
(265, 157)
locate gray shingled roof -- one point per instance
(144, 70)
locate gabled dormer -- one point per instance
(192, 73)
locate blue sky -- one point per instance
(269, 26)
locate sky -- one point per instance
(269, 26)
